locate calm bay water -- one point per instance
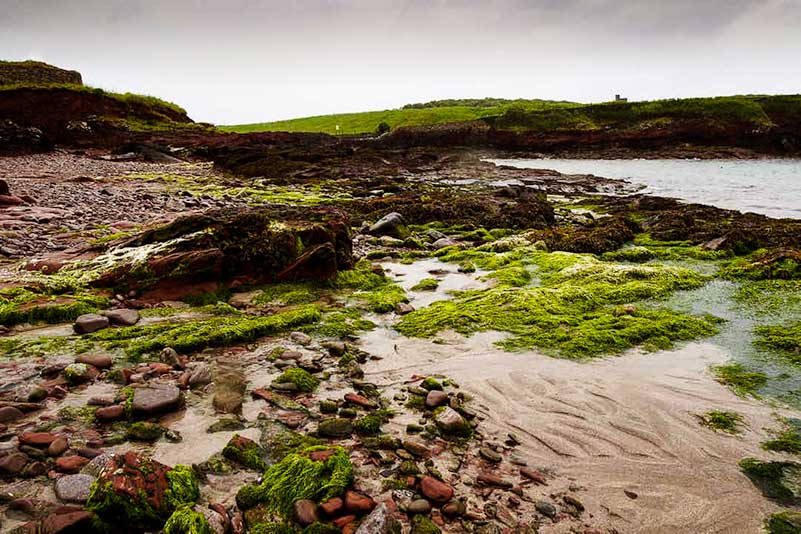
(771, 187)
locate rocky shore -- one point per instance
(281, 333)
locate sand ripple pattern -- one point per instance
(621, 423)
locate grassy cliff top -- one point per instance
(759, 111)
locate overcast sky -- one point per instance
(235, 61)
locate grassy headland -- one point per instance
(758, 111)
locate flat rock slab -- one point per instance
(156, 399)
(74, 488)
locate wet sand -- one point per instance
(605, 426)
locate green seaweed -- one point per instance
(185, 520)
(298, 477)
(784, 522)
(182, 489)
(375, 290)
(250, 456)
(572, 312)
(288, 294)
(19, 305)
(426, 284)
(776, 480)
(341, 323)
(739, 378)
(723, 421)
(197, 335)
(783, 338)
(787, 440)
(304, 380)
(369, 425)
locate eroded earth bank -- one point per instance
(229, 337)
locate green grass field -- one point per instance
(412, 115)
(543, 115)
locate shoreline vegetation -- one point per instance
(191, 322)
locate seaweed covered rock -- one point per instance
(453, 208)
(670, 220)
(245, 245)
(245, 451)
(139, 492)
(315, 473)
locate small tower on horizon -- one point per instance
(619, 98)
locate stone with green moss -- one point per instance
(426, 284)
(369, 425)
(185, 520)
(302, 379)
(140, 492)
(316, 473)
(246, 452)
(145, 431)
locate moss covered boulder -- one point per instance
(244, 245)
(315, 473)
(139, 492)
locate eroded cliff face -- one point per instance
(36, 73)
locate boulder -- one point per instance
(392, 225)
(122, 317)
(140, 492)
(337, 427)
(155, 399)
(90, 322)
(254, 245)
(79, 373)
(101, 361)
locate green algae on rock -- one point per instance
(185, 520)
(304, 380)
(141, 492)
(426, 284)
(246, 452)
(316, 473)
(197, 335)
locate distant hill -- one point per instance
(36, 73)
(757, 111)
(424, 114)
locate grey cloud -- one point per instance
(251, 60)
